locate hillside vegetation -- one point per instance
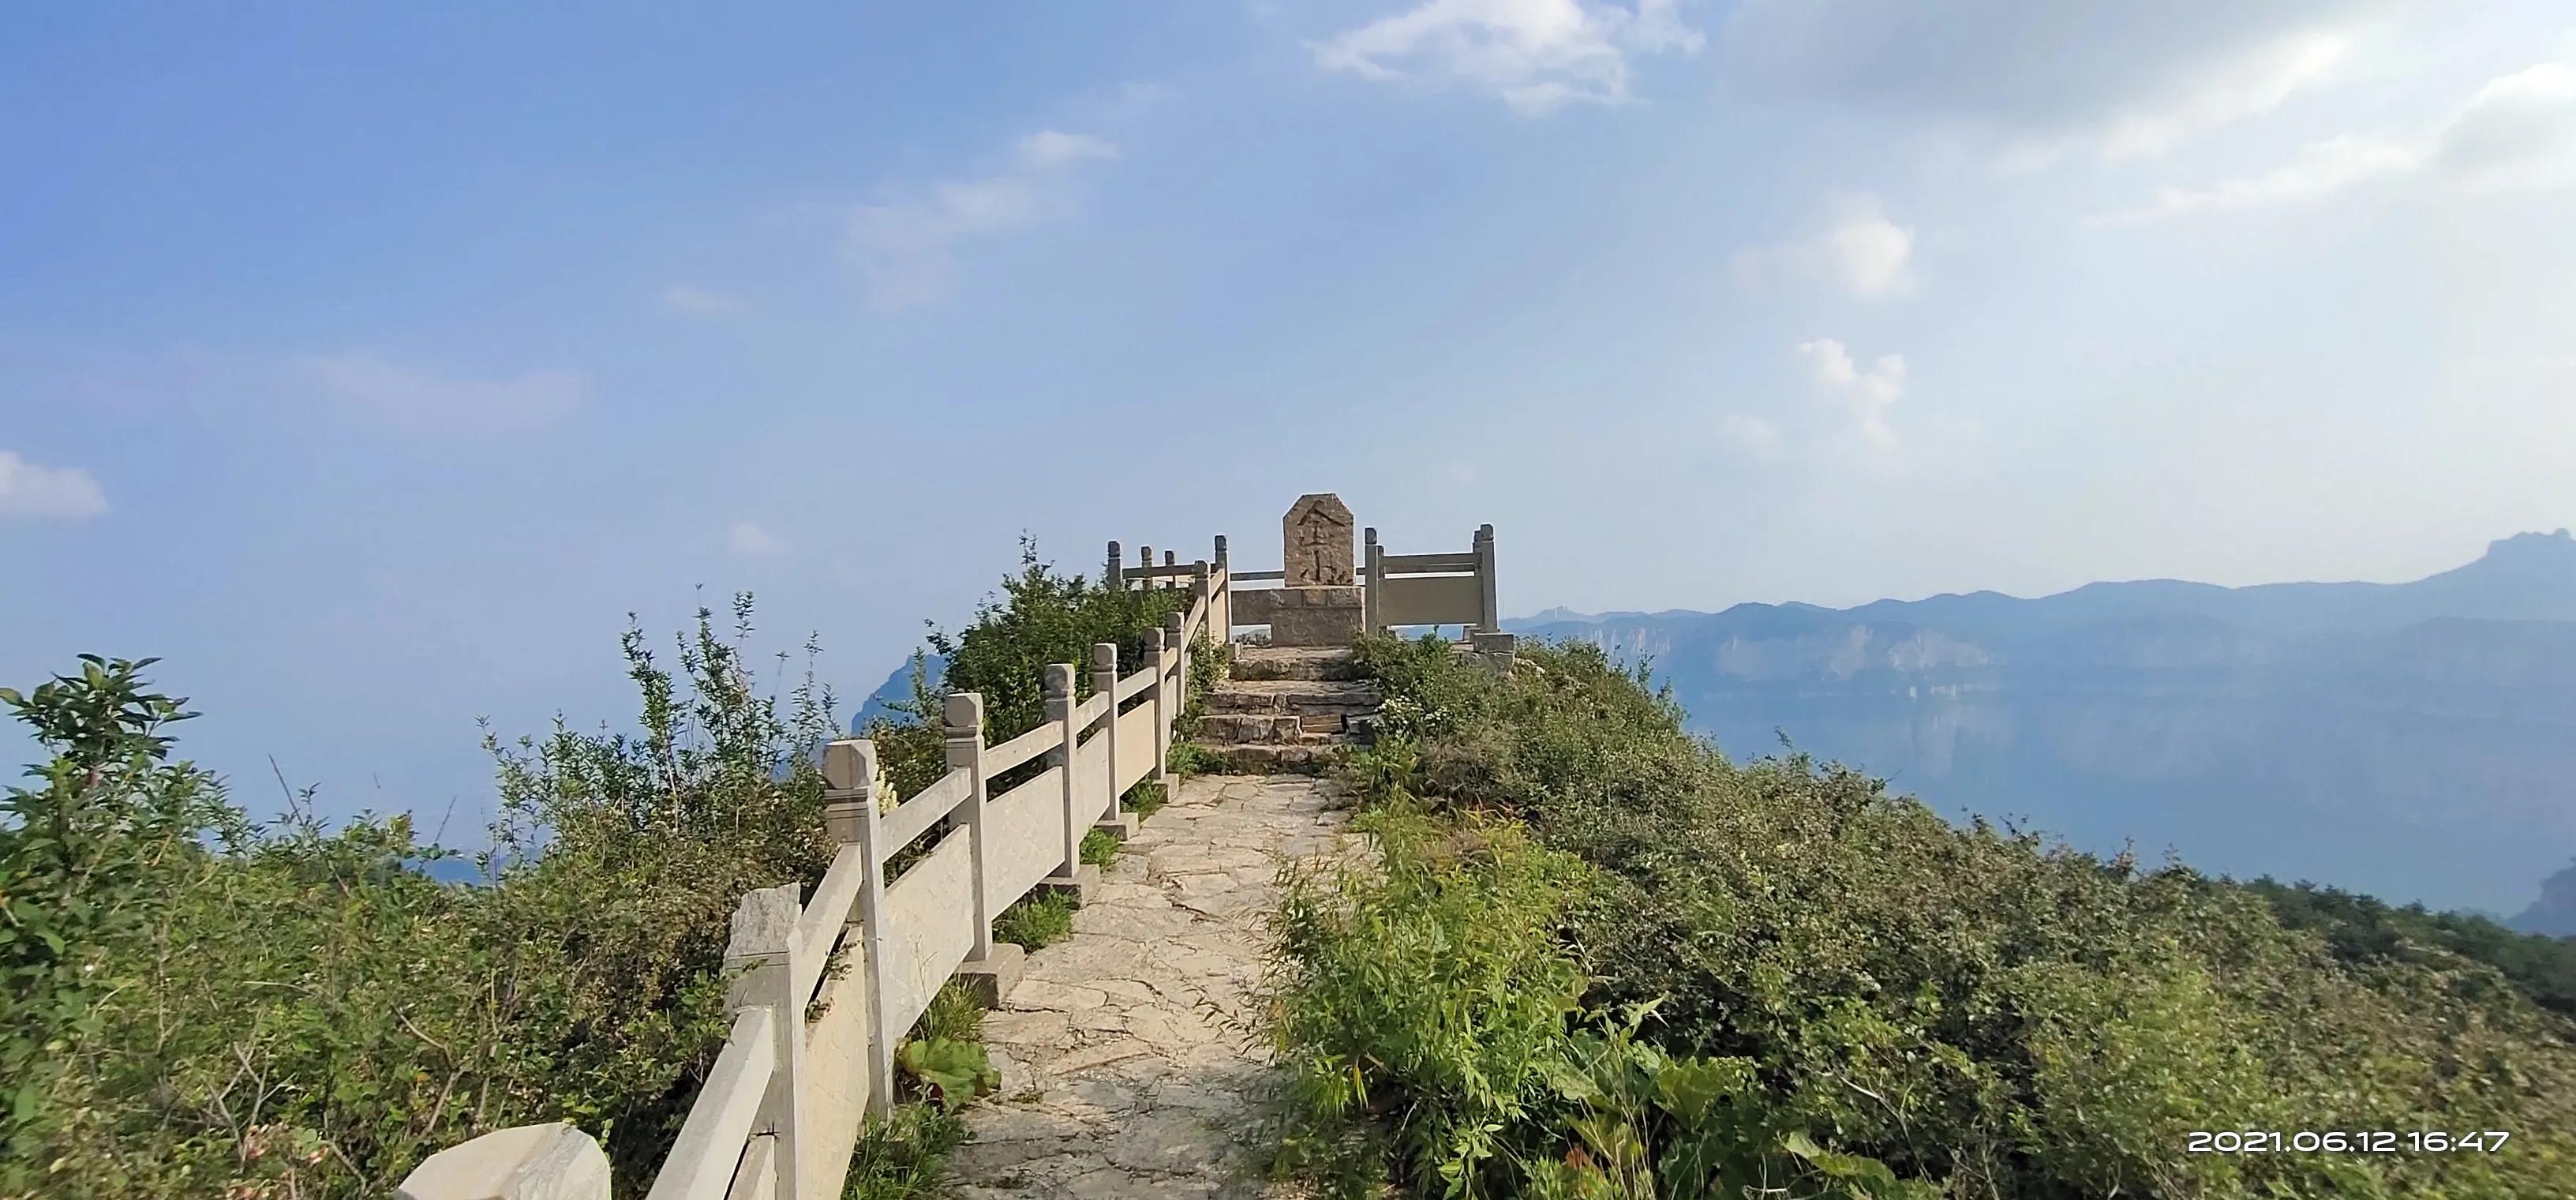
(197, 1004)
(1594, 958)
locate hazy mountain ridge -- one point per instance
(2416, 740)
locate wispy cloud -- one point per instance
(2517, 132)
(2043, 79)
(1536, 55)
(749, 540)
(1857, 251)
(698, 302)
(426, 403)
(1048, 149)
(1755, 436)
(906, 248)
(1866, 394)
(36, 491)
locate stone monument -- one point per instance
(1320, 602)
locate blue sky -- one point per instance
(372, 365)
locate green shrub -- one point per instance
(1428, 1008)
(1039, 920)
(1974, 1007)
(1145, 799)
(285, 1010)
(1100, 848)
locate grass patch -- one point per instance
(1190, 758)
(904, 1154)
(1100, 848)
(1039, 920)
(1145, 799)
(953, 1014)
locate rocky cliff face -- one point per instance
(2416, 740)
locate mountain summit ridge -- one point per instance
(2411, 740)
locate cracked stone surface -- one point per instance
(1125, 1068)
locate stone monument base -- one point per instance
(1315, 616)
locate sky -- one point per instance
(372, 364)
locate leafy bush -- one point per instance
(2363, 931)
(1039, 617)
(1100, 848)
(1039, 920)
(194, 1004)
(1973, 1007)
(281, 1009)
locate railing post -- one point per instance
(1176, 644)
(1171, 558)
(1059, 709)
(964, 716)
(1104, 680)
(764, 940)
(1223, 614)
(1116, 578)
(1372, 581)
(553, 1160)
(1489, 614)
(1145, 559)
(1162, 747)
(850, 812)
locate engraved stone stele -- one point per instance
(1320, 602)
(1316, 546)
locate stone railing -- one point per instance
(781, 1109)
(1391, 590)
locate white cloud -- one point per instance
(1536, 55)
(34, 490)
(2112, 78)
(419, 402)
(700, 303)
(749, 540)
(906, 249)
(2321, 168)
(1756, 436)
(1865, 394)
(2516, 132)
(2519, 131)
(2249, 84)
(1050, 148)
(1859, 252)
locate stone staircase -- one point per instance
(1285, 709)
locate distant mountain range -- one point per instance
(2416, 741)
(896, 689)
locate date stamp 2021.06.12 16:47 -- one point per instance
(2356, 1141)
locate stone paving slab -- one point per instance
(1124, 1073)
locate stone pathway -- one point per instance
(1121, 1075)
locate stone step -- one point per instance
(1256, 758)
(1294, 662)
(1345, 698)
(1256, 727)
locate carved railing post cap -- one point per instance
(554, 1161)
(1104, 656)
(1154, 638)
(964, 710)
(850, 764)
(1059, 679)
